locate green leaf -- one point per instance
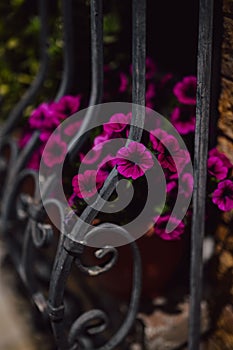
(111, 27)
(17, 3)
(33, 27)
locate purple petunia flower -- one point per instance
(117, 123)
(223, 195)
(86, 185)
(92, 156)
(133, 161)
(216, 168)
(45, 117)
(187, 185)
(106, 165)
(72, 128)
(171, 187)
(45, 135)
(25, 138)
(156, 137)
(214, 152)
(101, 139)
(160, 226)
(55, 151)
(185, 90)
(67, 105)
(171, 183)
(171, 156)
(183, 118)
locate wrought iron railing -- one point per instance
(23, 218)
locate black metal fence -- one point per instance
(25, 213)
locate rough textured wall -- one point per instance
(223, 336)
(226, 99)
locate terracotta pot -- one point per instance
(160, 260)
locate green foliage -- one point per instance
(19, 53)
(112, 27)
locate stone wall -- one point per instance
(222, 339)
(225, 124)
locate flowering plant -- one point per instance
(45, 118)
(171, 96)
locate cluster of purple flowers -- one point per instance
(183, 115)
(133, 161)
(181, 99)
(220, 172)
(45, 118)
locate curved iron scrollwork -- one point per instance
(100, 253)
(76, 337)
(80, 329)
(36, 233)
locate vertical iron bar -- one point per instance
(68, 50)
(96, 9)
(137, 123)
(139, 51)
(29, 95)
(96, 51)
(139, 68)
(61, 270)
(204, 70)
